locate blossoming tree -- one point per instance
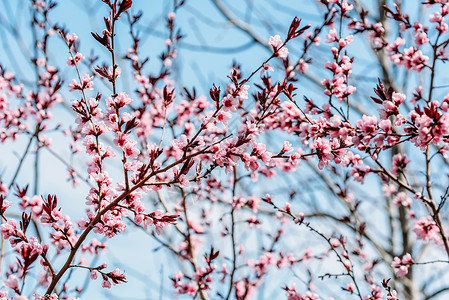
(320, 173)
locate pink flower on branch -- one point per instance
(426, 229)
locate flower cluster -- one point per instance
(189, 170)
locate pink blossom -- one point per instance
(72, 61)
(93, 274)
(118, 71)
(268, 67)
(400, 161)
(106, 284)
(335, 242)
(421, 39)
(230, 103)
(345, 6)
(426, 229)
(275, 41)
(9, 228)
(393, 296)
(283, 52)
(414, 59)
(368, 124)
(171, 16)
(71, 38)
(331, 36)
(223, 117)
(402, 271)
(436, 17)
(402, 199)
(302, 66)
(243, 91)
(286, 147)
(12, 282)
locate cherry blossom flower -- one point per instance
(275, 41)
(426, 229)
